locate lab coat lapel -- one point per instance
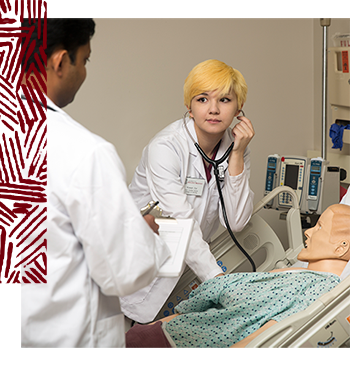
(225, 143)
(198, 162)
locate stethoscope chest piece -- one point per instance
(221, 172)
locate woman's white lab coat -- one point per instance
(168, 160)
(99, 246)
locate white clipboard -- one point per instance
(177, 235)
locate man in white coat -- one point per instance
(99, 246)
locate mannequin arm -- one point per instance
(242, 343)
(167, 319)
(248, 339)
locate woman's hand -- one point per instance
(243, 132)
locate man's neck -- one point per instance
(38, 84)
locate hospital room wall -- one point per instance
(337, 25)
(138, 67)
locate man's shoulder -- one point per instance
(71, 141)
(63, 128)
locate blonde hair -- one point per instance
(340, 223)
(211, 75)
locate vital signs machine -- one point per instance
(314, 181)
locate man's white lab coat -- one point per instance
(99, 246)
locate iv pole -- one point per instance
(325, 23)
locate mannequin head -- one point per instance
(328, 242)
(211, 75)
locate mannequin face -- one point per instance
(320, 245)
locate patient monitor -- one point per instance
(317, 181)
(314, 181)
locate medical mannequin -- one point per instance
(346, 198)
(214, 93)
(92, 218)
(327, 251)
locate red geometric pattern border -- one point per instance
(23, 145)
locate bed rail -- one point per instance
(324, 324)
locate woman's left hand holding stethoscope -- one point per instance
(243, 132)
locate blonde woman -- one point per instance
(173, 172)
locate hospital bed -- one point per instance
(324, 324)
(258, 239)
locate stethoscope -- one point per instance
(219, 175)
(47, 106)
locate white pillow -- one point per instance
(346, 271)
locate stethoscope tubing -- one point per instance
(223, 208)
(215, 163)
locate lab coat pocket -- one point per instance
(110, 332)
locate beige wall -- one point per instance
(337, 25)
(138, 66)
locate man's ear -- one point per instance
(342, 250)
(57, 61)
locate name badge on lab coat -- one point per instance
(194, 186)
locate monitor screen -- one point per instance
(291, 178)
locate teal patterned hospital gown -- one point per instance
(226, 309)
